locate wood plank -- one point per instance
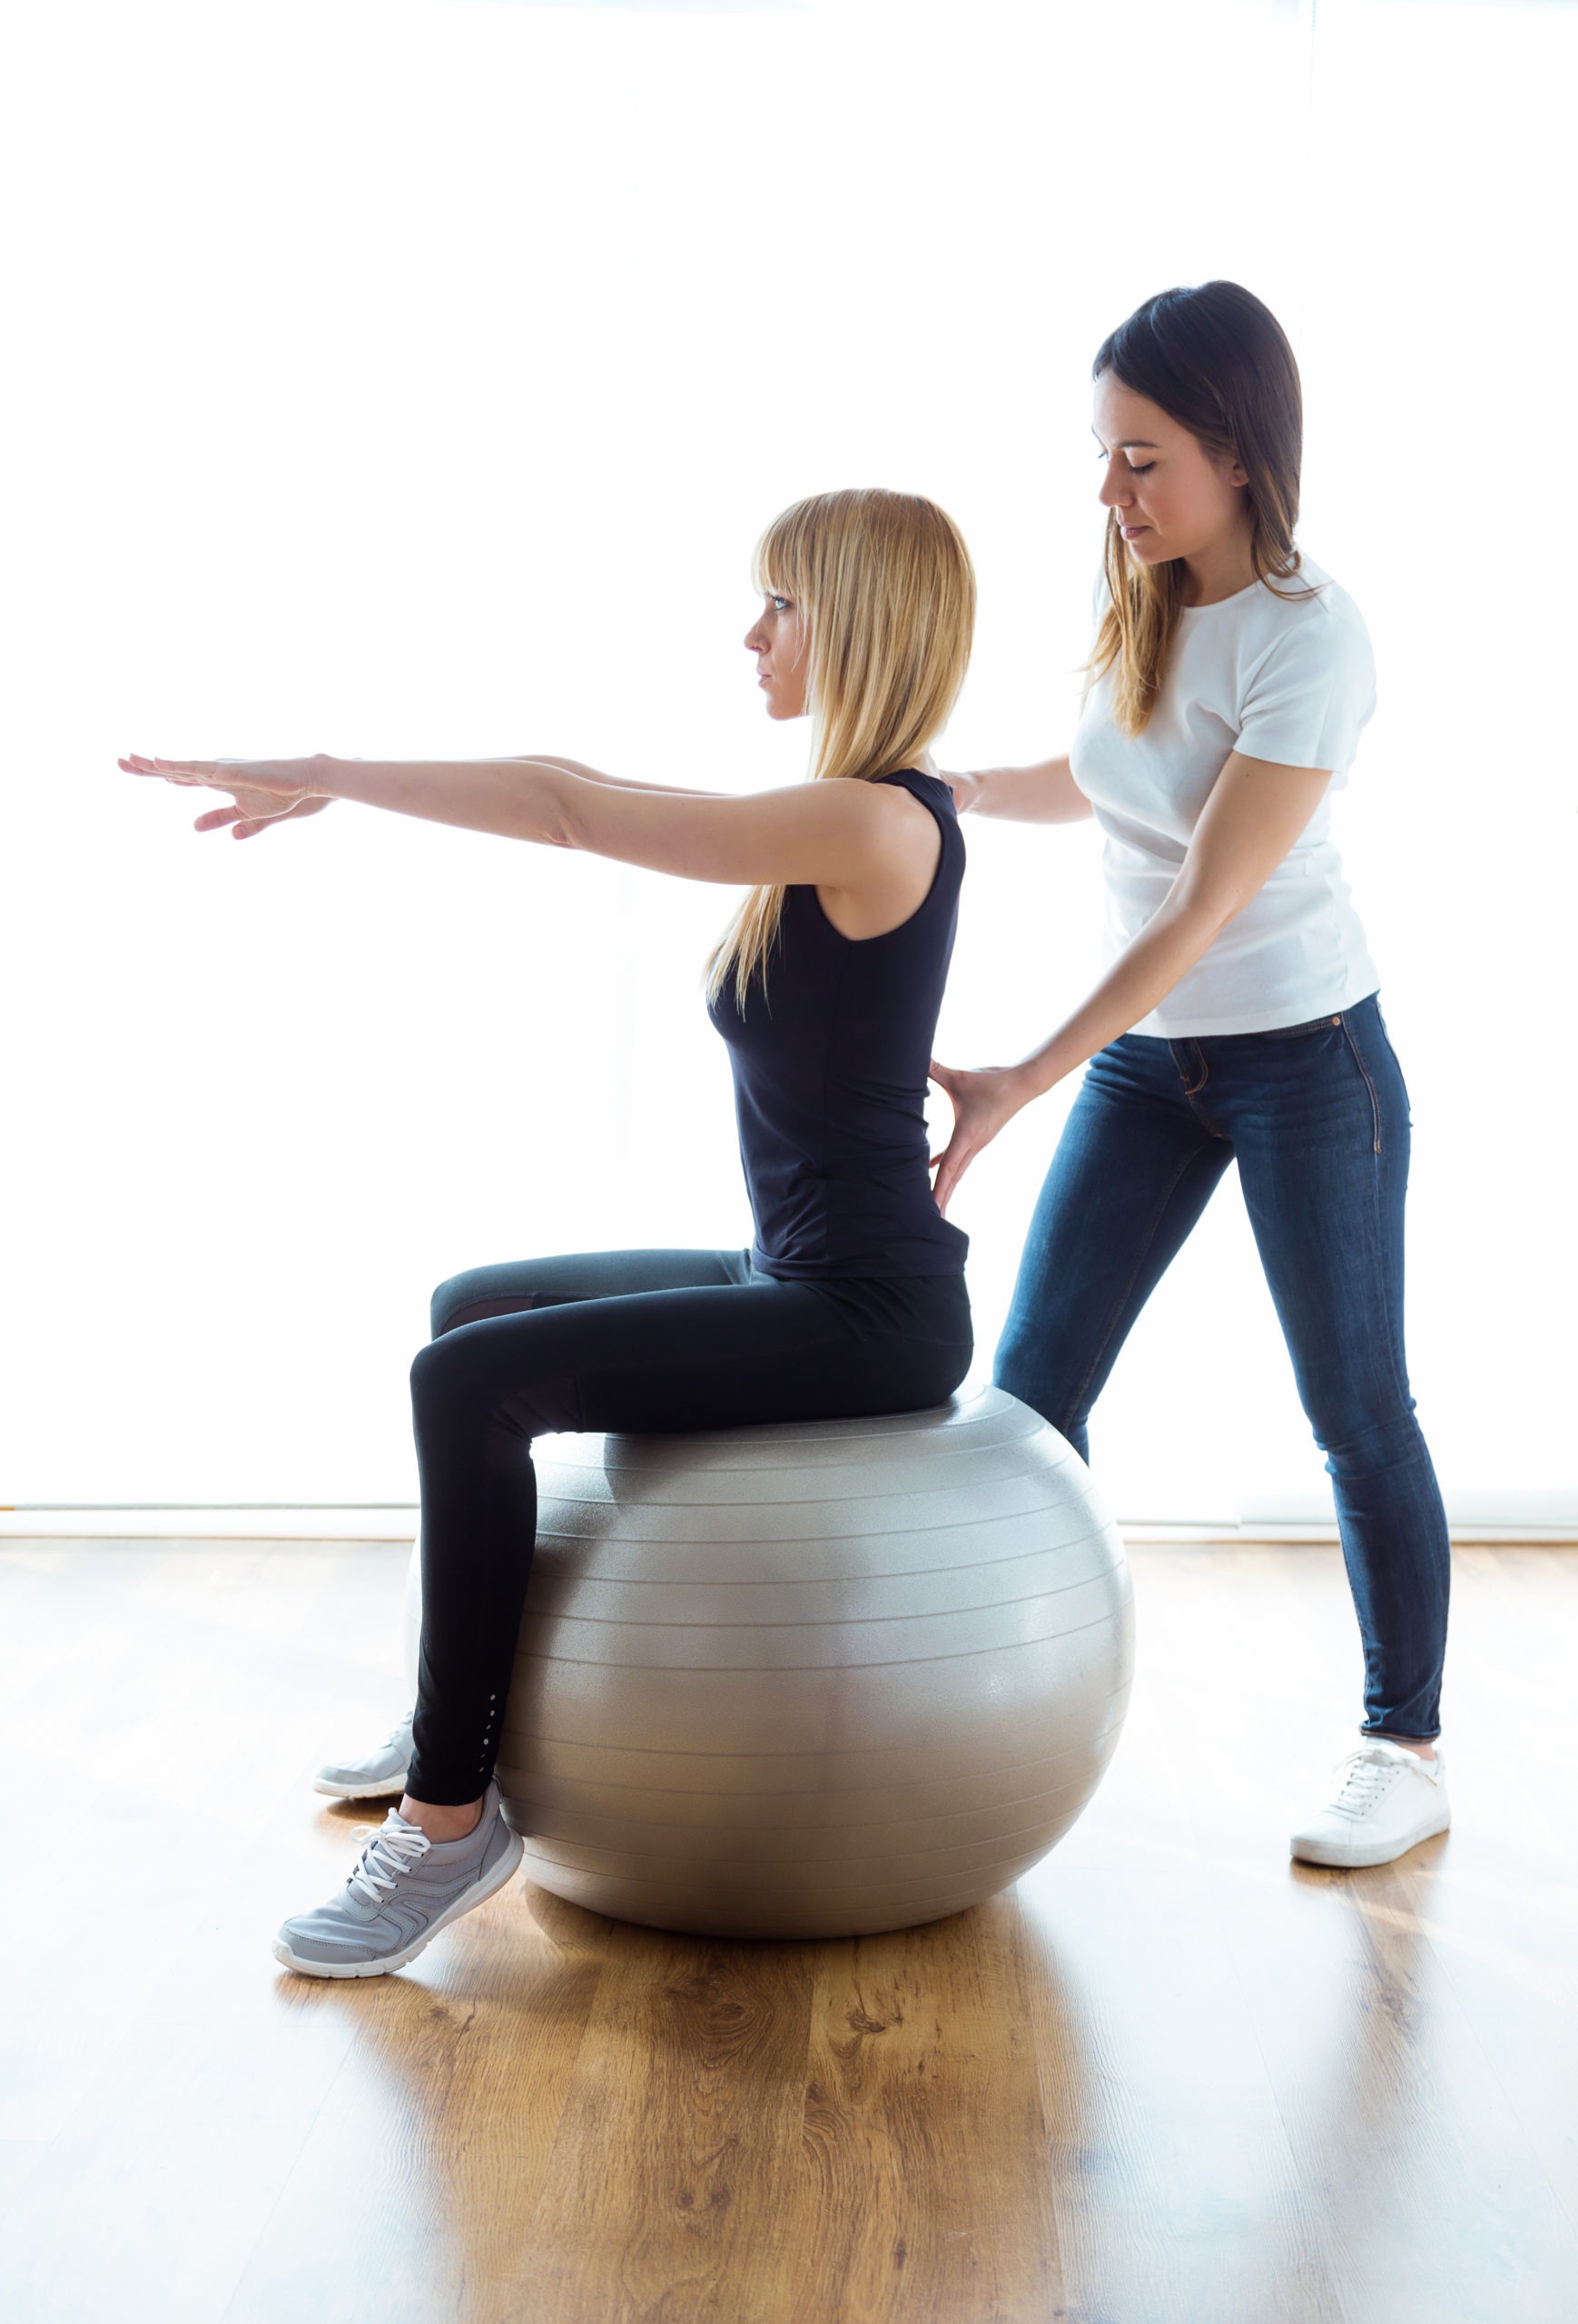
(930, 2194)
(1498, 1901)
(1277, 2099)
(174, 2156)
(412, 2198)
(664, 2197)
(1424, 2196)
(154, 1705)
(1175, 2189)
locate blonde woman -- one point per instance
(1238, 1020)
(825, 988)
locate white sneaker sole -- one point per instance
(466, 1902)
(386, 1788)
(1351, 1855)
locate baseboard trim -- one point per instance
(265, 1521)
(261, 1520)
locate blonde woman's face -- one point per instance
(779, 638)
(1172, 496)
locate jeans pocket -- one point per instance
(1370, 1078)
(1293, 1032)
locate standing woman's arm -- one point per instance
(1256, 813)
(1044, 794)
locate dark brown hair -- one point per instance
(1216, 361)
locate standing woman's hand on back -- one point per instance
(982, 1100)
(966, 788)
(262, 790)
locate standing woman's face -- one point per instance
(1172, 496)
(778, 639)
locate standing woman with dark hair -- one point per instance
(1237, 1018)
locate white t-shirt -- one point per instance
(1287, 679)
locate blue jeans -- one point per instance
(1317, 1118)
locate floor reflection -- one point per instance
(566, 2118)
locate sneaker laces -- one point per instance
(1365, 1774)
(395, 1847)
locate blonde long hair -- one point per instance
(886, 584)
(1216, 361)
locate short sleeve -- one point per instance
(1313, 691)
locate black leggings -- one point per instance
(640, 1340)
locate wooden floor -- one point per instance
(1167, 2080)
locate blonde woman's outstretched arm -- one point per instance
(252, 811)
(617, 781)
(852, 837)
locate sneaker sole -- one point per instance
(387, 1786)
(466, 1902)
(1337, 1858)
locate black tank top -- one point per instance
(830, 1082)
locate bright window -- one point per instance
(414, 378)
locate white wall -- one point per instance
(414, 378)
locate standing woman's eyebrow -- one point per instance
(1129, 443)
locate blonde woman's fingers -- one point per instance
(163, 770)
(196, 770)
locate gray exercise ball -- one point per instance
(813, 1680)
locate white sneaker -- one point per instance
(1386, 1800)
(379, 1773)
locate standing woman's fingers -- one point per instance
(951, 1164)
(954, 1161)
(942, 1184)
(947, 1163)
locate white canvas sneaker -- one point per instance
(1386, 1801)
(374, 1776)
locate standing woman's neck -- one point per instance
(1221, 569)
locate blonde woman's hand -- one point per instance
(261, 791)
(982, 1100)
